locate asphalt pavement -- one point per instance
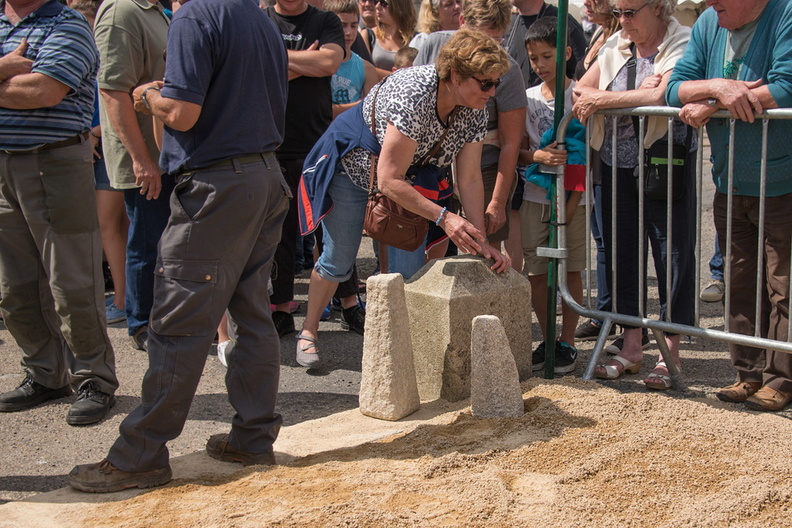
(38, 447)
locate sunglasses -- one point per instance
(488, 85)
(383, 3)
(627, 13)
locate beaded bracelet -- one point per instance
(440, 216)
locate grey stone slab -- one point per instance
(495, 390)
(442, 300)
(388, 388)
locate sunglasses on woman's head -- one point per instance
(627, 13)
(383, 3)
(487, 85)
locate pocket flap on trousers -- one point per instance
(188, 270)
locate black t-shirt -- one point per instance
(514, 41)
(359, 47)
(309, 109)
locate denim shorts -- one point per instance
(101, 178)
(342, 228)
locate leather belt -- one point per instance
(75, 140)
(233, 163)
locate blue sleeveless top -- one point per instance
(347, 83)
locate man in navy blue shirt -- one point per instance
(222, 103)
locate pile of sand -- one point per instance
(582, 455)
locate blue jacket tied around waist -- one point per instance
(346, 132)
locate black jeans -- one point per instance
(625, 263)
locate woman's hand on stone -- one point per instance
(464, 234)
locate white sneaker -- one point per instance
(713, 292)
(224, 351)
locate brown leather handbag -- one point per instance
(387, 221)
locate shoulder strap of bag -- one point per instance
(424, 160)
(373, 168)
(631, 75)
(436, 148)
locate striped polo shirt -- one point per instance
(61, 46)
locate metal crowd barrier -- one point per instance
(560, 253)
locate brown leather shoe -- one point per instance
(104, 477)
(738, 392)
(220, 448)
(768, 399)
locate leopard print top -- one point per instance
(408, 100)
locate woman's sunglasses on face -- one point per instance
(627, 13)
(488, 85)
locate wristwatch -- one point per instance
(713, 102)
(143, 96)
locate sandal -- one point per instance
(308, 359)
(616, 367)
(657, 380)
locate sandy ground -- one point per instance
(584, 453)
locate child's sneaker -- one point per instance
(566, 358)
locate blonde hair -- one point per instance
(471, 53)
(429, 16)
(487, 14)
(403, 14)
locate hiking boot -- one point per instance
(589, 331)
(713, 292)
(91, 406)
(538, 357)
(616, 347)
(29, 394)
(220, 448)
(139, 339)
(565, 358)
(104, 477)
(738, 391)
(768, 399)
(284, 323)
(354, 319)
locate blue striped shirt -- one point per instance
(61, 46)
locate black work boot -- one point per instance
(29, 394)
(91, 406)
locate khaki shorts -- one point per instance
(535, 230)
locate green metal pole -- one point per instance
(552, 265)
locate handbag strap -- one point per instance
(632, 67)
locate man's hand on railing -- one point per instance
(697, 113)
(737, 97)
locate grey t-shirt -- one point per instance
(510, 95)
(737, 43)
